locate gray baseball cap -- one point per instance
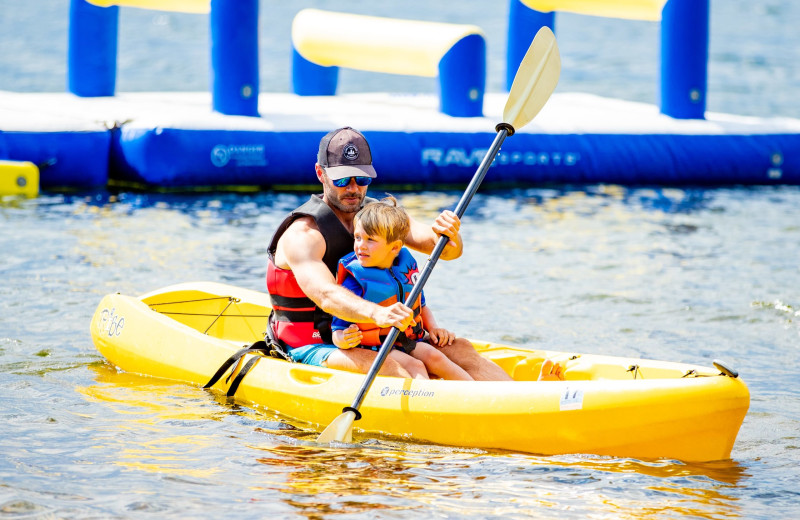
(344, 152)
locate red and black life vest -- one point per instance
(296, 320)
(385, 287)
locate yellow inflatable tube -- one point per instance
(375, 44)
(180, 6)
(628, 9)
(19, 178)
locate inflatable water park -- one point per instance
(236, 137)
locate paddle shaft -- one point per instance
(536, 79)
(388, 343)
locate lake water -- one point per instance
(680, 274)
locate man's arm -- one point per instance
(423, 238)
(302, 247)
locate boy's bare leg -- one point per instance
(413, 366)
(462, 353)
(438, 364)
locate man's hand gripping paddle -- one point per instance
(536, 79)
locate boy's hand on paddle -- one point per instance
(448, 224)
(351, 337)
(441, 337)
(396, 315)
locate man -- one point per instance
(304, 252)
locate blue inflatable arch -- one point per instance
(406, 47)
(684, 42)
(92, 54)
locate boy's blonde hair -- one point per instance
(384, 218)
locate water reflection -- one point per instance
(318, 480)
(158, 426)
(236, 208)
(591, 199)
(382, 474)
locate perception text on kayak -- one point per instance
(389, 392)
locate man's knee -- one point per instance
(435, 359)
(460, 349)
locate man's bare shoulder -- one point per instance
(301, 225)
(301, 241)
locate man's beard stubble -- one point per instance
(336, 202)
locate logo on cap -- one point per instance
(350, 152)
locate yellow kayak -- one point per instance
(623, 407)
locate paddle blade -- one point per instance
(536, 79)
(340, 430)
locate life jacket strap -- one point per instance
(278, 348)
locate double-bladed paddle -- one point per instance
(536, 79)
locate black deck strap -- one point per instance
(243, 372)
(351, 409)
(258, 346)
(269, 346)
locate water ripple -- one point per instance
(685, 275)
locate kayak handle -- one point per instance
(725, 368)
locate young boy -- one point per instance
(381, 270)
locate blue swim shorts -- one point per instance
(315, 354)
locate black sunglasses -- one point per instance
(361, 181)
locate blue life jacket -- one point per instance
(385, 287)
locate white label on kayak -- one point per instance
(572, 399)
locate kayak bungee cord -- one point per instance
(231, 301)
